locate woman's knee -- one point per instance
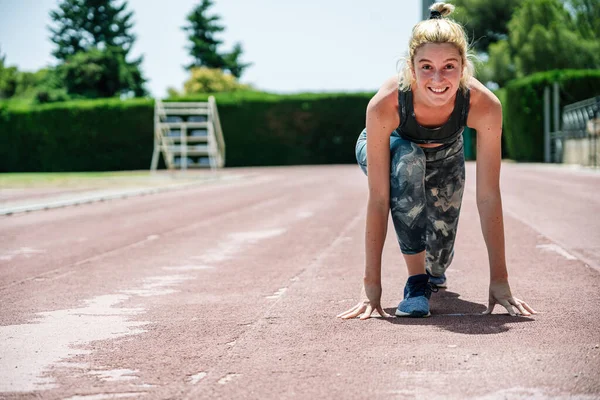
(407, 171)
(360, 151)
(407, 160)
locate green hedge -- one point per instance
(523, 107)
(93, 135)
(259, 129)
(268, 129)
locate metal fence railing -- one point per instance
(579, 132)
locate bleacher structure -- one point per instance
(188, 135)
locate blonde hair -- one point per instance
(438, 30)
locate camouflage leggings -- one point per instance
(426, 188)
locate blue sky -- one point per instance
(295, 46)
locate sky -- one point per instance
(294, 46)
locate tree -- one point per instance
(83, 24)
(204, 49)
(544, 36)
(486, 22)
(8, 78)
(500, 67)
(100, 73)
(96, 31)
(587, 17)
(211, 80)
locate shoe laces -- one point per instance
(423, 289)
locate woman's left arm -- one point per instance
(487, 121)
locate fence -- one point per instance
(577, 141)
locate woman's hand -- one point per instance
(500, 293)
(371, 294)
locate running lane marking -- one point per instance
(557, 249)
(278, 293)
(26, 252)
(194, 379)
(234, 245)
(28, 350)
(227, 378)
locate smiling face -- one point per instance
(437, 70)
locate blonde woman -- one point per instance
(414, 161)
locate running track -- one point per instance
(230, 290)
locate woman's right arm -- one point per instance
(382, 119)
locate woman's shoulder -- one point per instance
(386, 99)
(483, 105)
(481, 99)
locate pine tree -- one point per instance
(202, 30)
(83, 24)
(99, 31)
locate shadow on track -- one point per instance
(450, 312)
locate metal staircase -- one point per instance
(189, 135)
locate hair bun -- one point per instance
(443, 9)
(435, 15)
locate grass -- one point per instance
(79, 179)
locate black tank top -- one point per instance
(410, 129)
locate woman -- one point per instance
(414, 161)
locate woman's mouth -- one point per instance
(438, 90)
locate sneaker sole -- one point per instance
(412, 315)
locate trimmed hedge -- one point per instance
(259, 129)
(523, 106)
(265, 129)
(92, 135)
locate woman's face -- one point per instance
(437, 69)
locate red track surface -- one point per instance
(230, 290)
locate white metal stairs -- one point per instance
(188, 134)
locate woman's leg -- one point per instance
(407, 197)
(408, 201)
(408, 208)
(444, 183)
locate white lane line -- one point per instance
(104, 195)
(227, 378)
(26, 252)
(304, 214)
(585, 259)
(532, 393)
(158, 285)
(557, 249)
(106, 396)
(277, 294)
(184, 268)
(115, 375)
(237, 243)
(84, 261)
(194, 379)
(186, 228)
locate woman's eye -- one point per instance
(426, 67)
(450, 66)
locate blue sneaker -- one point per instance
(416, 297)
(438, 281)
